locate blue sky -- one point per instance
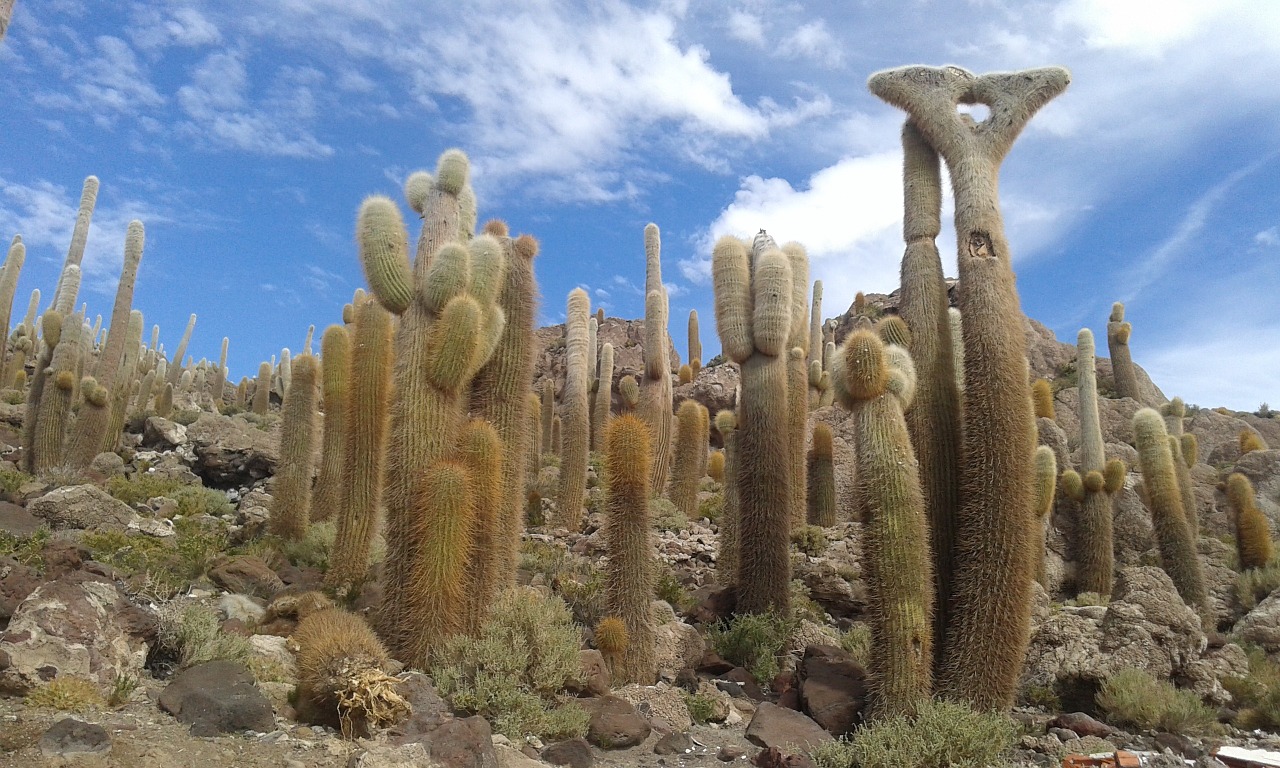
(245, 134)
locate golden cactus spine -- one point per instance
(365, 445)
(683, 488)
(989, 629)
(342, 679)
(934, 420)
(655, 385)
(1094, 546)
(1042, 398)
(574, 414)
(533, 450)
(695, 343)
(291, 493)
(631, 567)
(1177, 549)
(499, 393)
(480, 449)
(126, 381)
(877, 384)
(822, 477)
(335, 371)
(1253, 532)
(49, 422)
(1118, 332)
(753, 299)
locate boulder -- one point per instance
(162, 435)
(663, 704)
(572, 753)
(217, 697)
(77, 625)
(82, 506)
(775, 726)
(677, 646)
(17, 521)
(71, 738)
(615, 723)
(833, 688)
(246, 574)
(230, 451)
(16, 582)
(1261, 626)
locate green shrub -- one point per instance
(196, 500)
(942, 735)
(810, 539)
(141, 486)
(1256, 697)
(311, 551)
(1134, 698)
(701, 707)
(27, 550)
(14, 397)
(856, 641)
(61, 477)
(1253, 586)
(803, 606)
(122, 688)
(665, 516)
(170, 565)
(668, 587)
(753, 641)
(712, 507)
(186, 417)
(12, 479)
(513, 673)
(193, 634)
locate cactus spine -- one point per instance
(934, 420)
(1046, 483)
(335, 370)
(365, 445)
(877, 383)
(683, 489)
(727, 559)
(603, 405)
(1177, 548)
(655, 385)
(50, 421)
(1095, 550)
(989, 628)
(499, 394)
(291, 494)
(1253, 532)
(631, 565)
(534, 448)
(1042, 398)
(342, 678)
(822, 477)
(1118, 331)
(480, 449)
(753, 300)
(262, 390)
(575, 418)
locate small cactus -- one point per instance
(1042, 398)
(822, 478)
(1253, 532)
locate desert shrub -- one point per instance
(12, 479)
(1088, 598)
(66, 694)
(1253, 586)
(1256, 696)
(583, 591)
(169, 564)
(186, 417)
(701, 707)
(542, 557)
(668, 587)
(122, 688)
(753, 641)
(311, 551)
(856, 641)
(27, 550)
(137, 488)
(514, 671)
(941, 735)
(665, 516)
(1134, 698)
(803, 606)
(712, 507)
(192, 634)
(810, 539)
(61, 477)
(14, 397)
(196, 500)
(1040, 695)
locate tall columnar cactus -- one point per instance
(715, 466)
(989, 628)
(575, 427)
(816, 344)
(1174, 412)
(1186, 487)
(492, 561)
(262, 390)
(1094, 546)
(695, 343)
(291, 494)
(50, 422)
(220, 375)
(284, 372)
(603, 405)
(629, 542)
(533, 450)
(822, 477)
(629, 393)
(364, 445)
(655, 385)
(753, 297)
(557, 444)
(798, 381)
(877, 384)
(450, 323)
(1118, 331)
(1190, 449)
(335, 370)
(90, 437)
(8, 288)
(704, 440)
(730, 514)
(499, 392)
(1177, 549)
(306, 345)
(683, 488)
(1046, 485)
(548, 411)
(934, 420)
(68, 289)
(957, 347)
(175, 364)
(1253, 532)
(79, 237)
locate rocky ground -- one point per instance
(77, 603)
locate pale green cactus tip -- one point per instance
(488, 268)
(416, 189)
(452, 171)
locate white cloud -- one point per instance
(812, 41)
(219, 109)
(746, 27)
(1197, 369)
(1268, 237)
(108, 83)
(185, 27)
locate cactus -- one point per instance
(493, 561)
(557, 443)
(437, 586)
(1253, 532)
(1094, 545)
(816, 344)
(1126, 379)
(604, 396)
(1042, 399)
(683, 488)
(629, 393)
(574, 413)
(715, 466)
(685, 374)
(342, 679)
(262, 391)
(548, 412)
(364, 437)
(612, 641)
(753, 301)
(957, 347)
(8, 288)
(1190, 449)
(1174, 412)
(631, 569)
(291, 494)
(989, 628)
(284, 373)
(499, 393)
(798, 381)
(79, 237)
(220, 376)
(67, 290)
(877, 384)
(727, 559)
(1251, 441)
(1173, 535)
(695, 343)
(164, 401)
(1186, 487)
(934, 420)
(55, 403)
(533, 451)
(1046, 464)
(655, 386)
(822, 478)
(175, 364)
(335, 371)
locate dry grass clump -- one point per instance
(66, 694)
(1135, 699)
(942, 734)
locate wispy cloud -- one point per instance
(107, 83)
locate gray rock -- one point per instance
(82, 506)
(217, 697)
(615, 723)
(573, 753)
(17, 520)
(833, 688)
(70, 737)
(677, 646)
(246, 574)
(231, 451)
(676, 743)
(163, 435)
(775, 726)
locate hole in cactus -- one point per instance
(978, 112)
